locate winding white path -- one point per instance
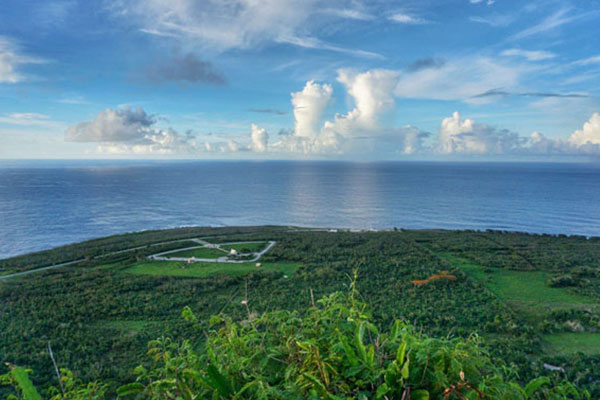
(197, 240)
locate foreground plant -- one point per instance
(332, 350)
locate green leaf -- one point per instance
(350, 354)
(219, 381)
(535, 384)
(22, 378)
(401, 352)
(130, 389)
(419, 395)
(358, 342)
(382, 390)
(405, 371)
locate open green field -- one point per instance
(527, 293)
(202, 270)
(250, 247)
(200, 252)
(526, 290)
(566, 343)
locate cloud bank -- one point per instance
(367, 125)
(130, 130)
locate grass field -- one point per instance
(201, 252)
(526, 290)
(201, 270)
(528, 294)
(569, 343)
(250, 247)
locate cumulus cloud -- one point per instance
(12, 59)
(259, 139)
(236, 24)
(464, 136)
(309, 105)
(372, 93)
(186, 68)
(129, 130)
(589, 136)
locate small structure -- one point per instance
(551, 367)
(190, 260)
(233, 252)
(257, 265)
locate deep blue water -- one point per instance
(49, 203)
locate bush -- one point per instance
(331, 350)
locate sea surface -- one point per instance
(44, 204)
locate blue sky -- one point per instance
(365, 80)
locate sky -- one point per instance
(300, 79)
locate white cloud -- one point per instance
(494, 20)
(459, 79)
(24, 119)
(259, 139)
(364, 125)
(585, 141)
(129, 131)
(407, 19)
(309, 105)
(550, 23)
(588, 61)
(372, 93)
(350, 13)
(464, 136)
(589, 135)
(11, 59)
(531, 55)
(237, 24)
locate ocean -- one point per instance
(44, 204)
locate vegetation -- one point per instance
(100, 314)
(331, 350)
(205, 269)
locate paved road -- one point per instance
(224, 259)
(31, 271)
(199, 241)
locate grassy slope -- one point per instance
(565, 343)
(528, 293)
